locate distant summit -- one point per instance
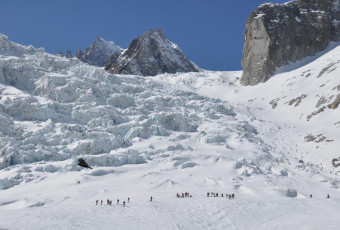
(151, 54)
(99, 52)
(277, 34)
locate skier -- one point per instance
(150, 199)
(96, 202)
(123, 203)
(128, 199)
(310, 196)
(208, 194)
(328, 196)
(117, 201)
(101, 202)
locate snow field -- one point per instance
(59, 202)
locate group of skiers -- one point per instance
(109, 202)
(212, 194)
(183, 195)
(209, 194)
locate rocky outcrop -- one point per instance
(99, 52)
(151, 54)
(68, 54)
(277, 34)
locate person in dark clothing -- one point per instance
(123, 203)
(117, 201)
(151, 199)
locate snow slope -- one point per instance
(158, 136)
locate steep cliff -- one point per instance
(277, 34)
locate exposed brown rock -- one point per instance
(277, 34)
(335, 103)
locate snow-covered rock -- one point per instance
(151, 54)
(100, 52)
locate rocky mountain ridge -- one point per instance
(151, 54)
(148, 55)
(278, 34)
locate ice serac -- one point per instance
(152, 54)
(99, 52)
(277, 34)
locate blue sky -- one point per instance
(209, 32)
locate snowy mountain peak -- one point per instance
(102, 45)
(99, 52)
(157, 33)
(152, 54)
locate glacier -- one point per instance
(157, 136)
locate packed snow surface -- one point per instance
(272, 145)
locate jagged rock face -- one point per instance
(277, 34)
(68, 54)
(112, 61)
(151, 54)
(99, 52)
